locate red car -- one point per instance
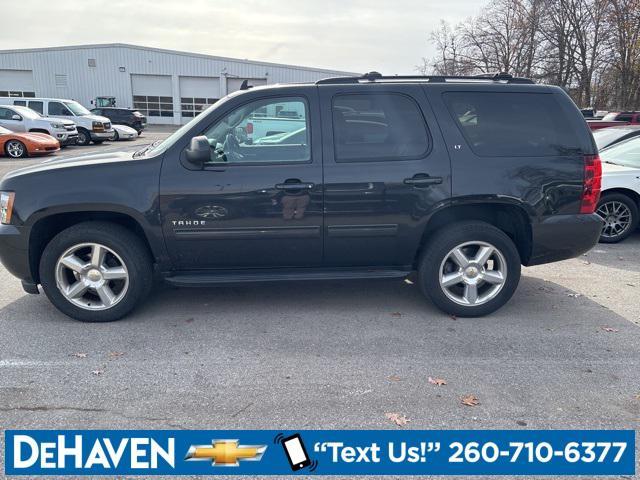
(615, 119)
(17, 145)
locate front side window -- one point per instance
(57, 108)
(370, 127)
(258, 132)
(512, 124)
(6, 114)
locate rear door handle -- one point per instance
(422, 180)
(295, 186)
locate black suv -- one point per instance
(461, 179)
(123, 116)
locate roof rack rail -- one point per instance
(378, 77)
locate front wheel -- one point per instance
(469, 269)
(84, 137)
(96, 271)
(115, 137)
(620, 215)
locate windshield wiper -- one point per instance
(140, 153)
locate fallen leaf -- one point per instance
(394, 378)
(397, 418)
(609, 329)
(453, 317)
(437, 381)
(97, 372)
(396, 314)
(522, 423)
(79, 355)
(470, 400)
(115, 354)
(574, 295)
(586, 262)
(630, 285)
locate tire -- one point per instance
(84, 137)
(125, 252)
(115, 137)
(620, 214)
(15, 149)
(98, 142)
(458, 299)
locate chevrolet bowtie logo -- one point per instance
(225, 453)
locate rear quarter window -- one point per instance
(513, 124)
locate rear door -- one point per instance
(386, 169)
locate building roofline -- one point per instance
(173, 52)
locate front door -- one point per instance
(386, 171)
(258, 202)
(8, 121)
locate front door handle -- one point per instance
(422, 180)
(295, 186)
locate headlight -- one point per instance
(97, 124)
(6, 207)
(57, 125)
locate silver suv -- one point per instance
(23, 119)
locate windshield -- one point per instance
(606, 136)
(77, 109)
(158, 147)
(27, 112)
(625, 153)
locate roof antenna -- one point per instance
(245, 85)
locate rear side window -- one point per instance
(37, 106)
(371, 127)
(513, 124)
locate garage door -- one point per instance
(234, 84)
(16, 83)
(153, 96)
(197, 93)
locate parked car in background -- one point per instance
(615, 119)
(123, 116)
(605, 137)
(619, 203)
(123, 132)
(18, 145)
(90, 127)
(23, 119)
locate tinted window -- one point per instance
(22, 103)
(369, 127)
(513, 124)
(247, 136)
(37, 106)
(57, 108)
(6, 114)
(624, 118)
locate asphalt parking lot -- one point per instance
(564, 353)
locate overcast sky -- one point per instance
(390, 36)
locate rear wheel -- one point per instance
(115, 136)
(469, 269)
(96, 271)
(620, 215)
(15, 149)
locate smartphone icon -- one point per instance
(296, 453)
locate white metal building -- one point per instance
(167, 86)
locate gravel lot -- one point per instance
(564, 353)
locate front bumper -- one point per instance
(67, 138)
(563, 236)
(14, 252)
(106, 135)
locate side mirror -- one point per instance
(16, 117)
(199, 151)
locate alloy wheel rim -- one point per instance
(617, 218)
(92, 276)
(15, 149)
(473, 273)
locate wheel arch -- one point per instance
(47, 227)
(635, 196)
(39, 130)
(511, 218)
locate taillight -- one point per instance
(592, 183)
(249, 128)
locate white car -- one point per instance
(122, 132)
(23, 119)
(619, 204)
(90, 127)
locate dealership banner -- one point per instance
(319, 452)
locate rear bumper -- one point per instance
(563, 236)
(14, 252)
